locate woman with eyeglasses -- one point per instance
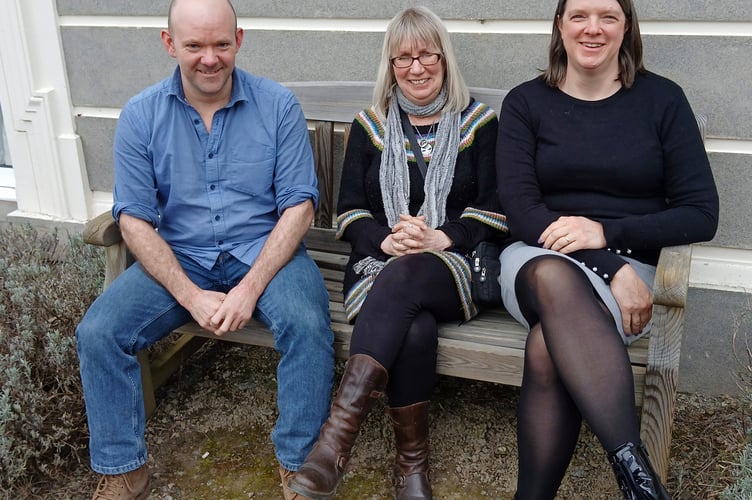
(600, 164)
(410, 229)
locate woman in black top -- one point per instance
(600, 164)
(410, 232)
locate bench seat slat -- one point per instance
(458, 357)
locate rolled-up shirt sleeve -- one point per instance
(134, 192)
(295, 175)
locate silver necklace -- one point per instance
(426, 148)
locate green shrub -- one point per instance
(47, 284)
(741, 488)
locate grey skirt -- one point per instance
(515, 255)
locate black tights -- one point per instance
(576, 366)
(397, 325)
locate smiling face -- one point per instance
(592, 32)
(204, 40)
(420, 84)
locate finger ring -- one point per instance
(410, 226)
(568, 240)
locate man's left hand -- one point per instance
(236, 310)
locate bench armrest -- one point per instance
(672, 276)
(102, 231)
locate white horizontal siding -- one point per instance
(733, 146)
(492, 26)
(717, 268)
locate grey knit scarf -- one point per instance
(394, 176)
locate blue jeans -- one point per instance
(135, 311)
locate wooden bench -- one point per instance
(488, 348)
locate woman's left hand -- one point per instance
(414, 233)
(568, 234)
(634, 299)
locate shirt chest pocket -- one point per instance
(250, 176)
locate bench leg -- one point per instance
(660, 385)
(154, 372)
(168, 362)
(150, 403)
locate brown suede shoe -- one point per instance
(133, 485)
(285, 475)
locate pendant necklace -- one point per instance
(425, 146)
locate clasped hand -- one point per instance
(220, 313)
(412, 235)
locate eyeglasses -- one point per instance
(426, 59)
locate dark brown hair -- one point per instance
(630, 52)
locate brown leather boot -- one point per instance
(410, 472)
(362, 384)
(133, 485)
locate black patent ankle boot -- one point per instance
(635, 475)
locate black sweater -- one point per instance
(634, 161)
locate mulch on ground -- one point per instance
(209, 439)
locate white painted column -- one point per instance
(48, 159)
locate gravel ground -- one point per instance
(209, 439)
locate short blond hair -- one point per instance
(419, 24)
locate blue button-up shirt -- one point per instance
(218, 191)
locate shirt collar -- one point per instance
(175, 87)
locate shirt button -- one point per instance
(216, 217)
(212, 187)
(211, 155)
(220, 242)
(195, 121)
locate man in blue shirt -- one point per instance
(218, 161)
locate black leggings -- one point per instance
(397, 325)
(576, 366)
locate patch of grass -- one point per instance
(229, 465)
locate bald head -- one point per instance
(204, 38)
(174, 3)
